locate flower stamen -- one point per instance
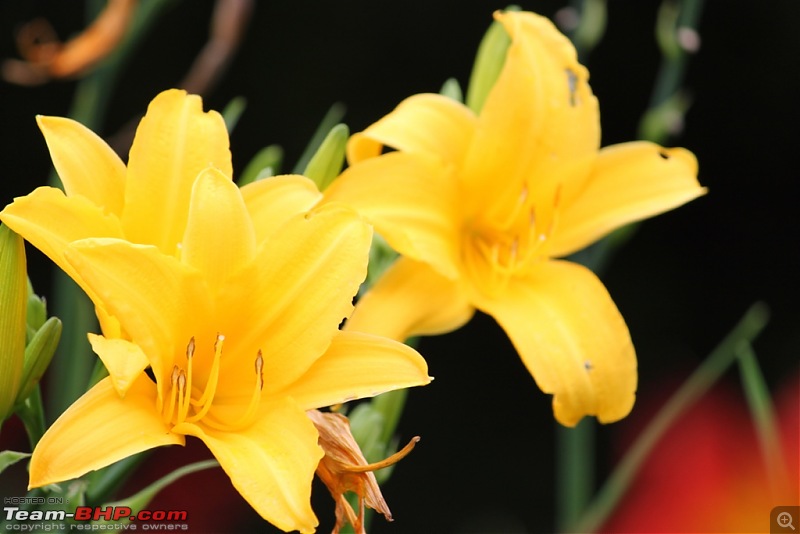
(205, 400)
(260, 369)
(172, 394)
(252, 408)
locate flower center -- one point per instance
(189, 402)
(494, 251)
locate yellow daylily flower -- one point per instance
(481, 205)
(241, 339)
(229, 300)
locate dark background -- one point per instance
(486, 460)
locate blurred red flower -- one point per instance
(708, 474)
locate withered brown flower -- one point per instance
(344, 468)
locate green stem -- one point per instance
(666, 101)
(31, 412)
(74, 358)
(575, 468)
(141, 499)
(591, 26)
(754, 320)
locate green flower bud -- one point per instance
(451, 89)
(488, 63)
(36, 312)
(13, 311)
(38, 354)
(326, 164)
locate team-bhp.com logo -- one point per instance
(94, 518)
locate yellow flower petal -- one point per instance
(99, 429)
(125, 361)
(50, 221)
(217, 249)
(86, 165)
(271, 202)
(358, 365)
(572, 339)
(296, 293)
(414, 205)
(153, 296)
(544, 141)
(427, 124)
(271, 463)
(411, 299)
(174, 142)
(629, 182)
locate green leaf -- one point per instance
(107, 480)
(763, 414)
(9, 458)
(326, 163)
(233, 112)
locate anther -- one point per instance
(181, 381)
(173, 393)
(203, 404)
(260, 369)
(190, 348)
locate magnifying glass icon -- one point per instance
(785, 520)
